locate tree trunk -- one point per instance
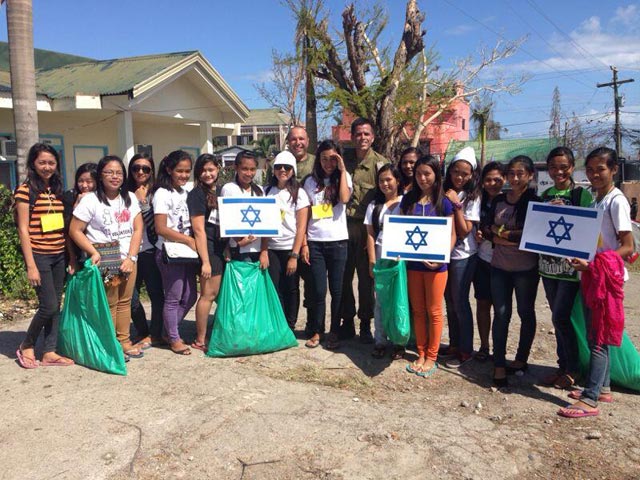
(311, 103)
(23, 78)
(483, 142)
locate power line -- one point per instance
(499, 35)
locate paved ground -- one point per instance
(305, 414)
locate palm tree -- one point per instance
(23, 78)
(264, 146)
(480, 116)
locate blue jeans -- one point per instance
(598, 378)
(561, 295)
(328, 260)
(503, 284)
(149, 273)
(456, 295)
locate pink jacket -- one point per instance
(602, 289)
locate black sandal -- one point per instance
(398, 353)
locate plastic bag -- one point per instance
(249, 318)
(625, 359)
(86, 332)
(392, 295)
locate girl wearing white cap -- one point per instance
(461, 188)
(285, 250)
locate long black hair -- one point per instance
(330, 191)
(470, 188)
(292, 187)
(169, 163)
(490, 167)
(387, 167)
(132, 186)
(211, 193)
(34, 181)
(404, 180)
(92, 169)
(100, 193)
(412, 197)
(255, 189)
(610, 156)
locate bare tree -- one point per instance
(283, 91)
(465, 81)
(23, 78)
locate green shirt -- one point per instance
(364, 181)
(305, 167)
(556, 267)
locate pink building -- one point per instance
(453, 124)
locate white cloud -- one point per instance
(628, 15)
(262, 76)
(592, 45)
(461, 29)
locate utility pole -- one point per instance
(616, 103)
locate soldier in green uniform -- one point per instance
(298, 142)
(362, 163)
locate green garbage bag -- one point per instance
(625, 359)
(86, 332)
(393, 297)
(249, 318)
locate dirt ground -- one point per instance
(305, 414)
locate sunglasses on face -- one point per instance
(287, 168)
(141, 168)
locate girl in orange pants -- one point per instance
(427, 280)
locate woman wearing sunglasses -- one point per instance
(140, 180)
(285, 250)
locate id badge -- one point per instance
(213, 217)
(51, 222)
(324, 210)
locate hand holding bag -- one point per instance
(175, 252)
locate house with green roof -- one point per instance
(153, 103)
(504, 150)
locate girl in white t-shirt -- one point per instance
(112, 214)
(173, 224)
(386, 202)
(329, 188)
(461, 188)
(615, 235)
(249, 248)
(284, 251)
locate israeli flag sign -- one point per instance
(561, 230)
(417, 238)
(257, 216)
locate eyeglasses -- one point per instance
(141, 168)
(113, 173)
(280, 166)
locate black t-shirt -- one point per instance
(197, 203)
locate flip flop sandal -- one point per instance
(564, 381)
(59, 362)
(134, 353)
(312, 343)
(604, 397)
(429, 372)
(573, 411)
(200, 346)
(143, 345)
(182, 351)
(26, 362)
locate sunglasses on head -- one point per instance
(143, 168)
(280, 166)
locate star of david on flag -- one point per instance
(405, 237)
(242, 216)
(561, 230)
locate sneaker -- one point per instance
(458, 361)
(448, 353)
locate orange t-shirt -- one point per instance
(52, 242)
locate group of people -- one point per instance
(332, 209)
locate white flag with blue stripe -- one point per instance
(242, 216)
(417, 238)
(561, 230)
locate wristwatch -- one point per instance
(133, 258)
(294, 255)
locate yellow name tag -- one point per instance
(324, 210)
(51, 222)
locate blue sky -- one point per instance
(570, 44)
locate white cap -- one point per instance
(286, 158)
(468, 154)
